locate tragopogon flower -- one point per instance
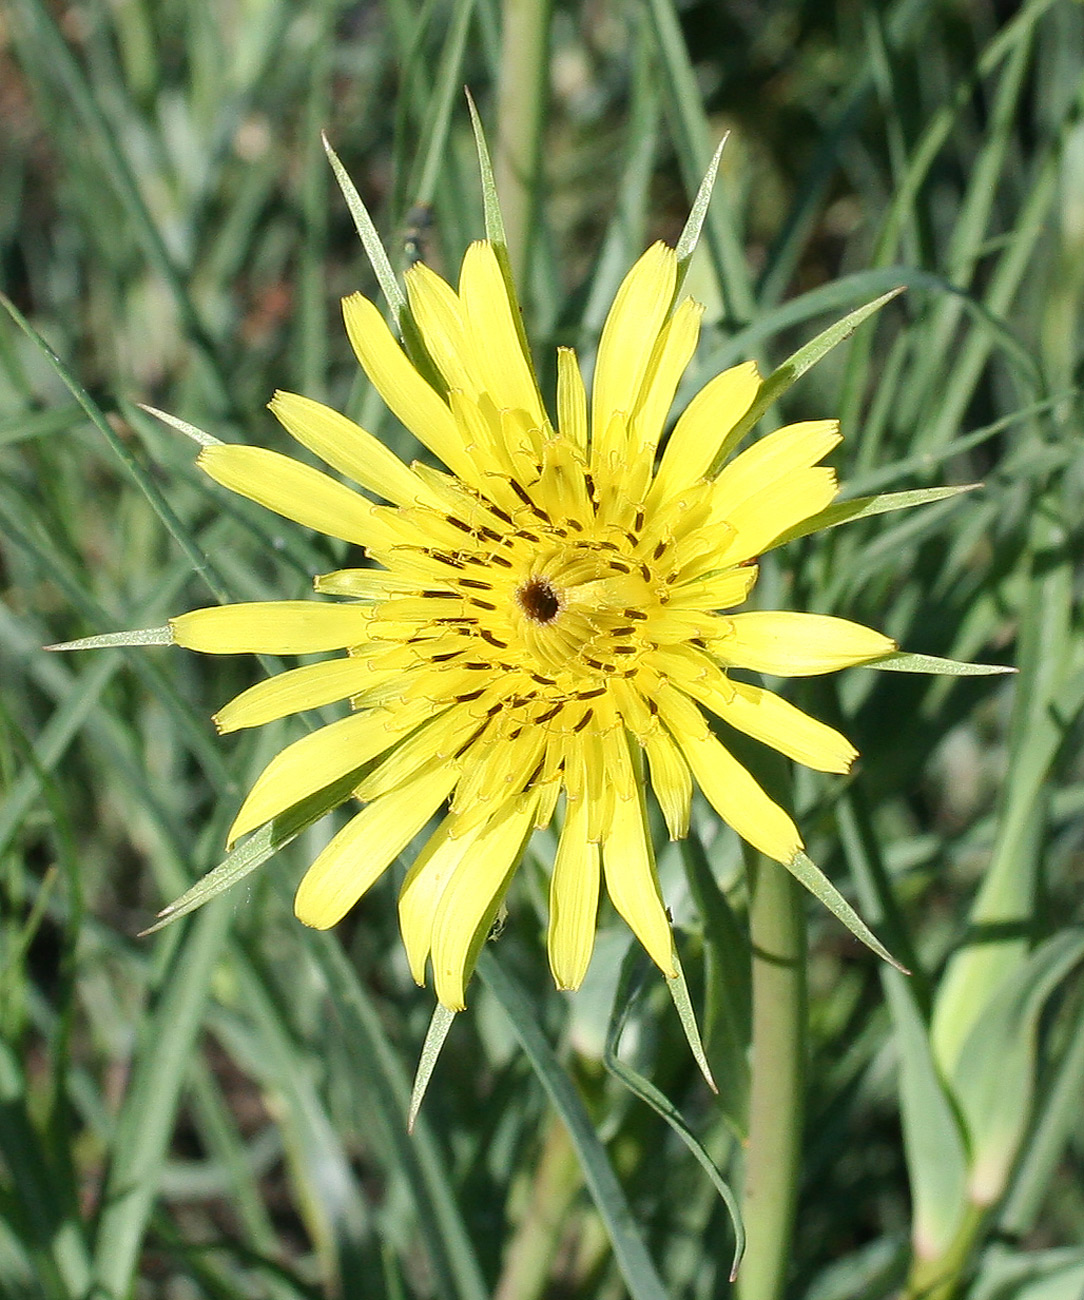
(536, 622)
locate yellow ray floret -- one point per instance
(539, 629)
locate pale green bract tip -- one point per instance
(370, 240)
(901, 662)
(140, 636)
(807, 873)
(679, 991)
(431, 1048)
(690, 236)
(192, 431)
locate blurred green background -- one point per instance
(219, 1111)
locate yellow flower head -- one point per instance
(535, 621)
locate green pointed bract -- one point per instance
(678, 989)
(902, 662)
(256, 850)
(383, 270)
(192, 431)
(494, 221)
(370, 240)
(140, 636)
(804, 359)
(437, 1032)
(491, 204)
(843, 512)
(690, 235)
(807, 873)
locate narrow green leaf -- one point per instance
(437, 1032)
(994, 1075)
(140, 636)
(631, 969)
(692, 136)
(258, 848)
(843, 512)
(777, 383)
(142, 479)
(932, 1138)
(53, 1237)
(813, 878)
(1008, 1274)
(25, 933)
(148, 1113)
(1002, 917)
(39, 424)
(1056, 1119)
(449, 77)
(630, 1253)
(901, 662)
(420, 1159)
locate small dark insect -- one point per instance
(417, 232)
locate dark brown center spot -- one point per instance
(538, 600)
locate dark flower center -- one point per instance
(538, 600)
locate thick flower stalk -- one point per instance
(544, 629)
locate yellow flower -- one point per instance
(535, 621)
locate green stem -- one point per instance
(521, 107)
(528, 1257)
(773, 1149)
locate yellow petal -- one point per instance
(405, 392)
(766, 515)
(438, 740)
(498, 768)
(738, 800)
(319, 760)
(571, 399)
(301, 688)
(359, 854)
(697, 673)
(778, 723)
(789, 644)
(629, 867)
(702, 429)
(573, 900)
(628, 342)
(439, 315)
(795, 446)
(507, 374)
(470, 900)
(296, 491)
(671, 781)
(548, 794)
(719, 591)
(673, 352)
(272, 627)
(347, 447)
(364, 584)
(424, 884)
